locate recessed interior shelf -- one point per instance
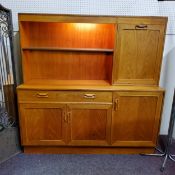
(69, 49)
(67, 53)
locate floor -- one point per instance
(49, 164)
(9, 143)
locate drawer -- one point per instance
(84, 96)
(34, 95)
(64, 96)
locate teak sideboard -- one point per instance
(90, 83)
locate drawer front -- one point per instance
(64, 96)
(33, 95)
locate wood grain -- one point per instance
(63, 96)
(42, 124)
(67, 35)
(86, 150)
(135, 120)
(38, 17)
(139, 55)
(67, 18)
(71, 66)
(69, 49)
(66, 83)
(89, 124)
(66, 65)
(82, 85)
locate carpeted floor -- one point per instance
(24, 164)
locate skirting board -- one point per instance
(85, 150)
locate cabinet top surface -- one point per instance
(88, 18)
(97, 88)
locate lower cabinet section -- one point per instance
(136, 118)
(130, 120)
(60, 124)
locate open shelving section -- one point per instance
(79, 51)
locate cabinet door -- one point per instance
(138, 54)
(89, 124)
(136, 118)
(42, 124)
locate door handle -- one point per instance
(65, 117)
(141, 26)
(68, 117)
(116, 101)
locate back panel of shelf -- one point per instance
(66, 65)
(67, 35)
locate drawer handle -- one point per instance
(141, 26)
(116, 104)
(42, 95)
(89, 96)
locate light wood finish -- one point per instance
(68, 83)
(66, 18)
(74, 98)
(89, 124)
(83, 86)
(68, 49)
(136, 118)
(68, 35)
(85, 150)
(156, 20)
(91, 19)
(63, 96)
(139, 54)
(42, 124)
(66, 65)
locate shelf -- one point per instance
(68, 49)
(68, 82)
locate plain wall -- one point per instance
(167, 80)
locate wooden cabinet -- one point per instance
(90, 82)
(89, 124)
(136, 118)
(43, 124)
(139, 54)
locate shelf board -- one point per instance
(69, 49)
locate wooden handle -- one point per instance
(69, 117)
(89, 96)
(65, 117)
(42, 95)
(141, 26)
(116, 104)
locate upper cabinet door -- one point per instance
(138, 56)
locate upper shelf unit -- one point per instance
(94, 49)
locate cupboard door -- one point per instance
(136, 118)
(89, 124)
(138, 54)
(42, 124)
